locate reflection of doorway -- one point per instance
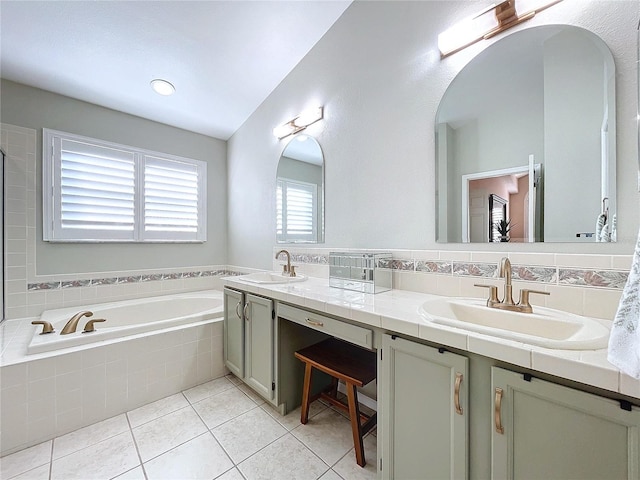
(517, 187)
(2, 268)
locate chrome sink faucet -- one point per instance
(507, 303)
(288, 270)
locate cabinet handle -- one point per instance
(497, 411)
(315, 324)
(244, 312)
(456, 394)
(238, 310)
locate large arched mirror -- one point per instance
(531, 120)
(300, 192)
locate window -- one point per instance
(99, 191)
(296, 211)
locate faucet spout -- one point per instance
(72, 324)
(504, 271)
(287, 269)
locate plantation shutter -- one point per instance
(172, 196)
(97, 191)
(296, 211)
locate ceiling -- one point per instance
(223, 57)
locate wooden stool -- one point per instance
(342, 361)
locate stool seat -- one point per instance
(353, 365)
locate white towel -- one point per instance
(624, 342)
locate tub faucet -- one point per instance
(72, 324)
(288, 269)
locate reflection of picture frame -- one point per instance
(497, 212)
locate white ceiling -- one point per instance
(224, 57)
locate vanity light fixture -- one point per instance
(302, 121)
(162, 87)
(489, 22)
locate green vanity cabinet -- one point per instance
(423, 412)
(545, 430)
(234, 332)
(249, 340)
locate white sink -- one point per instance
(271, 277)
(545, 327)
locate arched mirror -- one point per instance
(300, 192)
(531, 120)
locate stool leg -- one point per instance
(354, 415)
(306, 393)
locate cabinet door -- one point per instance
(424, 411)
(234, 332)
(259, 345)
(544, 430)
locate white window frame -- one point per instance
(285, 237)
(52, 195)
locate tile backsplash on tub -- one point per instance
(583, 284)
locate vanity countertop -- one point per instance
(397, 311)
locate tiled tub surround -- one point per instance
(29, 294)
(581, 284)
(49, 394)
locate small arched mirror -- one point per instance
(300, 192)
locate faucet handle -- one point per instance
(524, 299)
(493, 293)
(46, 326)
(89, 325)
(285, 269)
(292, 271)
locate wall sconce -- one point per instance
(302, 121)
(489, 22)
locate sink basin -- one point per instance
(545, 327)
(271, 277)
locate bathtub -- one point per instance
(126, 318)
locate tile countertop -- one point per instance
(397, 311)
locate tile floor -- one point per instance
(218, 430)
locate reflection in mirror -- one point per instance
(300, 192)
(2, 266)
(531, 119)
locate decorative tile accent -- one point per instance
(592, 278)
(486, 270)
(397, 264)
(310, 258)
(129, 279)
(534, 274)
(76, 283)
(434, 266)
(43, 286)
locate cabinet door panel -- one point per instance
(259, 348)
(552, 431)
(424, 436)
(234, 332)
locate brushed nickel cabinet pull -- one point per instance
(244, 312)
(497, 411)
(456, 394)
(315, 324)
(238, 314)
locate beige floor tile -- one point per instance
(245, 435)
(39, 473)
(232, 474)
(199, 459)
(106, 459)
(249, 392)
(285, 459)
(133, 474)
(292, 419)
(157, 409)
(163, 434)
(83, 437)
(224, 406)
(348, 468)
(330, 475)
(208, 389)
(328, 435)
(25, 460)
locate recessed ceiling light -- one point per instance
(162, 87)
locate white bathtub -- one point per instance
(130, 317)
